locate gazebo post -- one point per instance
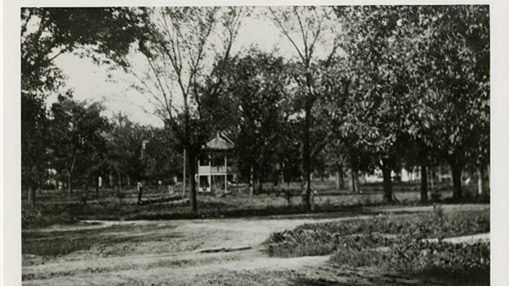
(198, 172)
(225, 173)
(184, 175)
(210, 173)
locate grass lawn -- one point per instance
(56, 207)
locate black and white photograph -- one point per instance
(243, 144)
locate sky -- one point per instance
(96, 83)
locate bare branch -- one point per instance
(304, 34)
(285, 32)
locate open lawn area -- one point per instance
(55, 207)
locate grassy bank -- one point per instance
(397, 243)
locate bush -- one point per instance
(301, 243)
(396, 244)
(358, 258)
(465, 262)
(430, 225)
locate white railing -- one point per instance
(213, 170)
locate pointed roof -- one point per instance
(219, 143)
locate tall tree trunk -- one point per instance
(354, 182)
(456, 169)
(276, 176)
(31, 195)
(85, 197)
(479, 180)
(388, 193)
(431, 176)
(251, 181)
(341, 177)
(140, 193)
(424, 184)
(69, 185)
(191, 160)
(97, 185)
(357, 183)
(184, 175)
(306, 158)
(258, 172)
(110, 180)
(119, 185)
(488, 176)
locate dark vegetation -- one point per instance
(397, 243)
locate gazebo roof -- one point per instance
(219, 143)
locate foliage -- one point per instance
(178, 44)
(156, 159)
(313, 34)
(124, 143)
(396, 244)
(378, 86)
(442, 258)
(162, 153)
(254, 107)
(76, 130)
(319, 239)
(431, 225)
(46, 33)
(34, 140)
(421, 75)
(456, 80)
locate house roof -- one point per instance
(219, 143)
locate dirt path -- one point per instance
(171, 253)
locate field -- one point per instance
(236, 239)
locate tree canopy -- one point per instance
(374, 86)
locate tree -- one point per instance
(47, 33)
(378, 83)
(77, 144)
(124, 142)
(137, 152)
(162, 151)
(252, 101)
(179, 45)
(432, 62)
(34, 140)
(453, 66)
(307, 29)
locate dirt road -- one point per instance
(187, 252)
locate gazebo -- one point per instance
(215, 168)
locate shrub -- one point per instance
(465, 262)
(396, 243)
(301, 243)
